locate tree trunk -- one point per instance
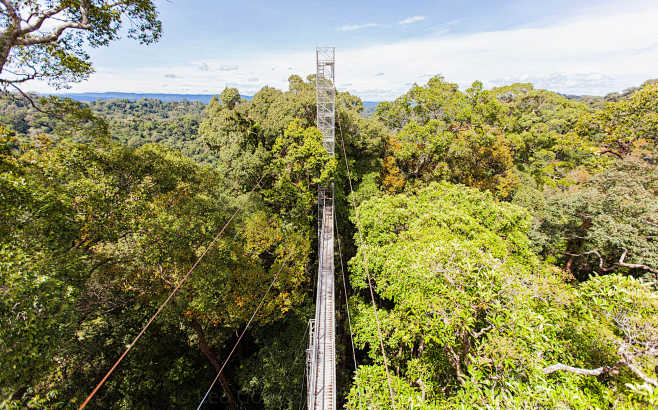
(569, 262)
(205, 349)
(574, 244)
(6, 41)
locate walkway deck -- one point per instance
(323, 368)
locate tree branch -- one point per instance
(586, 372)
(601, 370)
(595, 252)
(205, 349)
(84, 11)
(53, 36)
(482, 331)
(26, 77)
(40, 19)
(634, 265)
(16, 20)
(27, 97)
(420, 384)
(608, 151)
(639, 373)
(616, 264)
(33, 103)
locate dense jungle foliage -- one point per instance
(134, 123)
(510, 235)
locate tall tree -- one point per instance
(46, 40)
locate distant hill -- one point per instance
(88, 97)
(204, 98)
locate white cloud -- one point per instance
(591, 54)
(357, 27)
(413, 19)
(574, 83)
(229, 67)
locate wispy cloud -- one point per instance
(355, 27)
(575, 55)
(574, 83)
(413, 19)
(229, 67)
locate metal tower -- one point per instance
(321, 354)
(326, 95)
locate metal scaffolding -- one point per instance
(321, 354)
(326, 95)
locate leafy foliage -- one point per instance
(592, 224)
(99, 231)
(510, 234)
(471, 316)
(633, 121)
(135, 123)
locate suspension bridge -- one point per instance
(321, 353)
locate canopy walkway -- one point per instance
(321, 354)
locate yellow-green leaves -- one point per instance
(471, 316)
(300, 165)
(630, 123)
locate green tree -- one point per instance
(606, 223)
(301, 164)
(99, 236)
(234, 136)
(445, 134)
(47, 40)
(472, 317)
(629, 123)
(545, 136)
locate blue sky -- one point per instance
(580, 47)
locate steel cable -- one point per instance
(365, 262)
(240, 338)
(171, 295)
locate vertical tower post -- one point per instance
(321, 354)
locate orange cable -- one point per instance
(130, 346)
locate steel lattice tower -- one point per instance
(321, 354)
(326, 95)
